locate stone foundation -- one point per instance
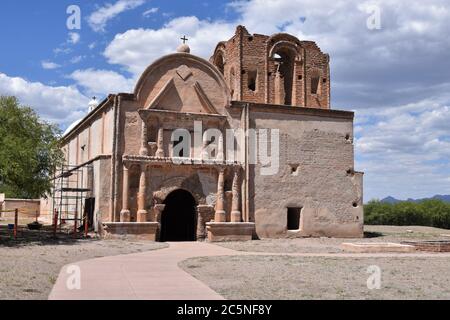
(230, 231)
(374, 247)
(140, 230)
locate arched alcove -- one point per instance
(179, 218)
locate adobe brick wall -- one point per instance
(246, 55)
(318, 144)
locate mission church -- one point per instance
(122, 162)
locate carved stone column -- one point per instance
(125, 213)
(142, 213)
(236, 215)
(144, 140)
(160, 143)
(220, 215)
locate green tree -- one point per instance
(29, 151)
(433, 213)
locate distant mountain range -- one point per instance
(445, 198)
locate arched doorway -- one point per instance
(179, 218)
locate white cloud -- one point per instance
(61, 50)
(48, 65)
(61, 105)
(76, 59)
(138, 48)
(149, 12)
(73, 38)
(405, 151)
(102, 82)
(98, 19)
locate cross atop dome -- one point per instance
(184, 48)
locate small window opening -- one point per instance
(355, 205)
(294, 218)
(220, 63)
(250, 38)
(294, 169)
(300, 77)
(314, 85)
(252, 75)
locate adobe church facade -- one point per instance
(143, 185)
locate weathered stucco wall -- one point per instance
(27, 208)
(102, 190)
(316, 174)
(91, 139)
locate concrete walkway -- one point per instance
(155, 275)
(152, 275)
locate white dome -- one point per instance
(93, 104)
(73, 125)
(184, 48)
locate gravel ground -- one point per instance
(332, 245)
(29, 268)
(290, 277)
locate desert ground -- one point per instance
(326, 276)
(30, 265)
(288, 277)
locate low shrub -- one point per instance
(432, 213)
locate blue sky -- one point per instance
(395, 77)
(37, 28)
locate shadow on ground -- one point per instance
(368, 234)
(45, 236)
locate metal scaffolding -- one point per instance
(70, 194)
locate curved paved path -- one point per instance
(155, 275)
(151, 275)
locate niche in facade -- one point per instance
(293, 218)
(284, 62)
(252, 78)
(219, 62)
(315, 82)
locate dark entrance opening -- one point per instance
(293, 220)
(89, 208)
(179, 218)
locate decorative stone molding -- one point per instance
(230, 231)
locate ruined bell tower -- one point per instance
(278, 69)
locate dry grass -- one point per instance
(332, 245)
(28, 269)
(289, 277)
